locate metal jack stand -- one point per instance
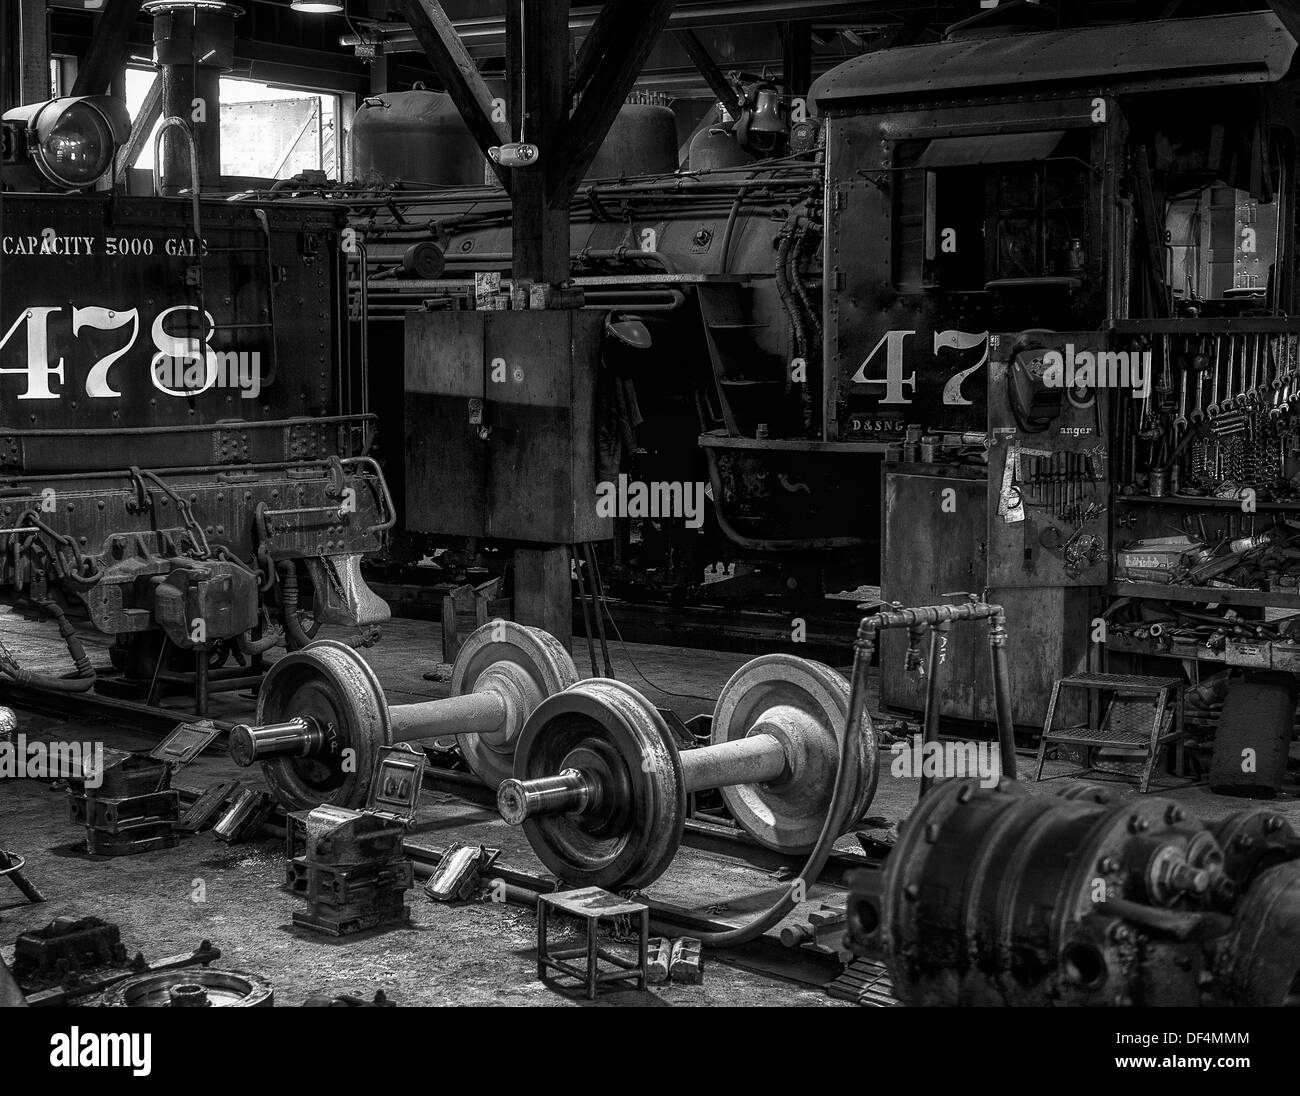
(11, 866)
(937, 620)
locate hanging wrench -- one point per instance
(1201, 372)
(1251, 393)
(1267, 370)
(1166, 384)
(1236, 390)
(1180, 419)
(1213, 409)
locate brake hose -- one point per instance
(842, 802)
(80, 681)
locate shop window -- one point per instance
(266, 132)
(1221, 245)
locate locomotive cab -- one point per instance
(1028, 277)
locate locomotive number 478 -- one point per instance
(169, 349)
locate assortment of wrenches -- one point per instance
(1226, 397)
(1242, 369)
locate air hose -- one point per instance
(80, 681)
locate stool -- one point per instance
(592, 905)
(1145, 714)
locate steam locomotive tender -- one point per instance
(183, 434)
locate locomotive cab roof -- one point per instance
(1251, 48)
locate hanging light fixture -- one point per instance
(318, 7)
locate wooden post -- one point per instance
(537, 59)
(543, 594)
(537, 52)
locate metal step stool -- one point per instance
(1145, 713)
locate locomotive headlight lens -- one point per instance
(68, 143)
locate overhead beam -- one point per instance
(797, 57)
(108, 46)
(703, 60)
(1288, 11)
(141, 128)
(459, 75)
(628, 30)
(689, 15)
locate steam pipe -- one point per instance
(938, 651)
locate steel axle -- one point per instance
(601, 787)
(322, 713)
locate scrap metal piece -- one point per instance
(659, 952)
(686, 967)
(79, 988)
(11, 867)
(347, 1000)
(352, 869)
(185, 743)
(203, 811)
(459, 873)
(67, 946)
(247, 811)
(823, 928)
(865, 981)
(205, 988)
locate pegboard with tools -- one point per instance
(1207, 506)
(1049, 464)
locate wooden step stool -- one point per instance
(1145, 713)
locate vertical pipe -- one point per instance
(598, 600)
(194, 44)
(586, 613)
(938, 654)
(201, 680)
(1002, 693)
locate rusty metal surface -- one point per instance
(1234, 49)
(500, 425)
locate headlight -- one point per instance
(65, 143)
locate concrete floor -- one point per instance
(469, 953)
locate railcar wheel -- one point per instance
(522, 665)
(631, 825)
(805, 705)
(333, 688)
(201, 987)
